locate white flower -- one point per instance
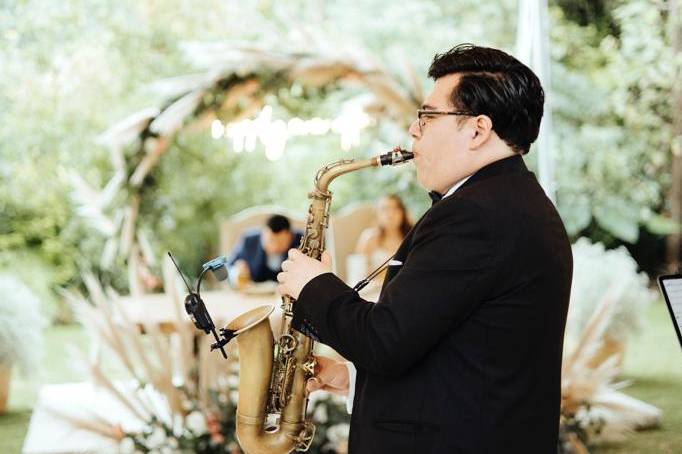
(157, 438)
(320, 414)
(196, 422)
(338, 432)
(21, 325)
(598, 273)
(126, 446)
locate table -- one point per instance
(223, 305)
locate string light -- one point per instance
(274, 134)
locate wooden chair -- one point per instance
(345, 229)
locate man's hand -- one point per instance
(330, 375)
(298, 270)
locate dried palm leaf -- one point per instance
(127, 130)
(131, 334)
(148, 161)
(109, 253)
(240, 91)
(129, 400)
(92, 423)
(134, 282)
(173, 87)
(415, 86)
(112, 188)
(318, 72)
(170, 120)
(590, 339)
(588, 379)
(174, 287)
(146, 247)
(390, 92)
(89, 204)
(128, 229)
(623, 414)
(113, 332)
(201, 123)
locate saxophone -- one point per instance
(271, 410)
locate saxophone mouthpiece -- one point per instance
(394, 157)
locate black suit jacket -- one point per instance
(250, 249)
(462, 352)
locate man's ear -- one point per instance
(481, 131)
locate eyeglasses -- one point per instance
(423, 115)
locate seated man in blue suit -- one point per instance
(260, 252)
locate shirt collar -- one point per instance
(456, 186)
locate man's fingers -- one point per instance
(333, 376)
(313, 384)
(326, 258)
(330, 375)
(333, 379)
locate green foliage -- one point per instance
(69, 70)
(612, 116)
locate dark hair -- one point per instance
(495, 84)
(278, 223)
(405, 224)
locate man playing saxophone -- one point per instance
(462, 351)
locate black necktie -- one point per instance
(435, 197)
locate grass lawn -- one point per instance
(653, 362)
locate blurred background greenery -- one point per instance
(77, 67)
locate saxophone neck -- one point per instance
(328, 173)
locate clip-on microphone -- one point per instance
(196, 309)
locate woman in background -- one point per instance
(379, 243)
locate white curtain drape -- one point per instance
(532, 48)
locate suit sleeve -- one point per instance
(238, 252)
(444, 277)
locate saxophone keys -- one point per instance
(305, 437)
(308, 366)
(287, 343)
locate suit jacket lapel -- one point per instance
(512, 164)
(401, 254)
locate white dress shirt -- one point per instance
(352, 372)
